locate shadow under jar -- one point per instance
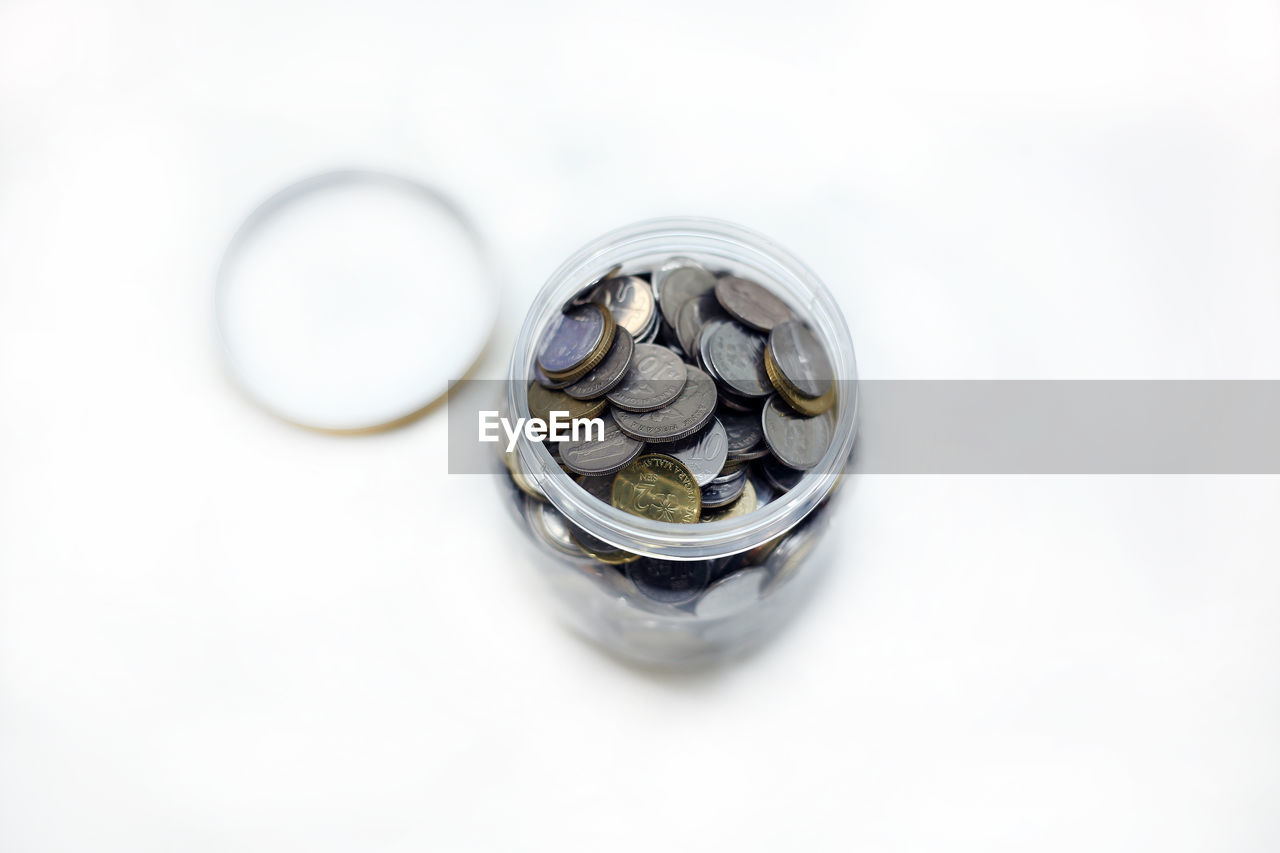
(655, 591)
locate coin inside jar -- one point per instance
(543, 401)
(724, 490)
(751, 304)
(609, 372)
(575, 341)
(695, 314)
(745, 503)
(797, 441)
(689, 412)
(594, 455)
(797, 365)
(659, 487)
(630, 301)
(671, 581)
(745, 435)
(654, 378)
(735, 356)
(703, 453)
(679, 286)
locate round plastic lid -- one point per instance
(348, 301)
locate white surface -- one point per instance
(218, 632)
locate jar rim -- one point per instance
(694, 236)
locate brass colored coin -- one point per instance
(543, 401)
(566, 351)
(598, 549)
(521, 479)
(659, 487)
(744, 504)
(810, 406)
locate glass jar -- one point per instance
(770, 553)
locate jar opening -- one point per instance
(722, 246)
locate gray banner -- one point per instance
(1014, 427)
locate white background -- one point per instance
(218, 632)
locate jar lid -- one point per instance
(349, 300)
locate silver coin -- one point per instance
(549, 526)
(796, 441)
(630, 301)
(608, 373)
(659, 276)
(782, 478)
(655, 378)
(722, 492)
(587, 292)
(571, 338)
(792, 553)
(685, 415)
(736, 358)
(750, 303)
(670, 581)
(703, 453)
(801, 358)
(679, 286)
(598, 456)
(745, 435)
(731, 594)
(695, 314)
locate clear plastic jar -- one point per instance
(770, 552)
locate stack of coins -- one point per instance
(716, 398)
(715, 395)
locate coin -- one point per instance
(596, 456)
(742, 505)
(679, 285)
(670, 581)
(797, 441)
(765, 490)
(525, 483)
(573, 339)
(598, 549)
(724, 491)
(790, 554)
(695, 314)
(659, 487)
(549, 526)
(801, 358)
(703, 453)
(745, 435)
(735, 356)
(731, 594)
(584, 294)
(609, 372)
(600, 488)
(750, 303)
(782, 478)
(655, 378)
(685, 415)
(668, 266)
(546, 381)
(630, 301)
(544, 401)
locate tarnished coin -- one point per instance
(703, 453)
(681, 418)
(782, 478)
(598, 456)
(600, 488)
(745, 435)
(587, 292)
(797, 441)
(724, 491)
(544, 401)
(695, 314)
(630, 301)
(735, 356)
(659, 487)
(609, 372)
(679, 286)
(731, 594)
(671, 581)
(655, 378)
(742, 505)
(750, 303)
(800, 358)
(575, 341)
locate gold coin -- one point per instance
(544, 401)
(599, 550)
(527, 485)
(745, 503)
(659, 487)
(810, 406)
